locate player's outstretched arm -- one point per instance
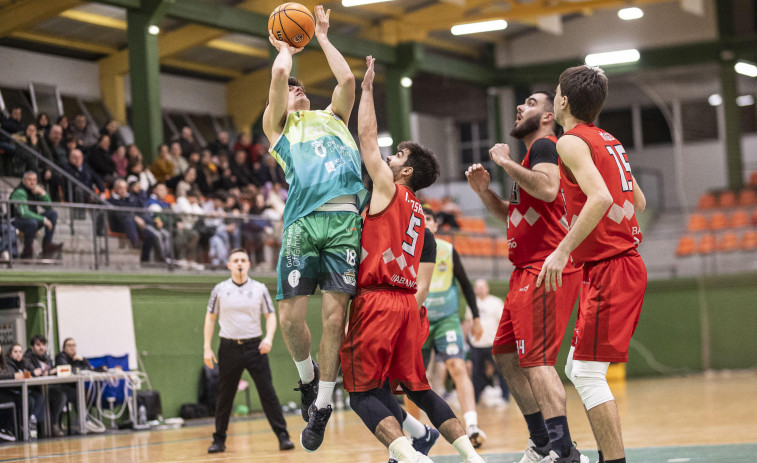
(576, 156)
(478, 180)
(343, 98)
(278, 94)
(367, 129)
(639, 200)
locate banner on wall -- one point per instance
(99, 318)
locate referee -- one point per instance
(240, 301)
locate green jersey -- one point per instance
(321, 162)
(442, 299)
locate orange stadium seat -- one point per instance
(740, 219)
(706, 245)
(753, 178)
(727, 199)
(749, 241)
(434, 204)
(685, 246)
(747, 198)
(754, 217)
(718, 221)
(728, 242)
(503, 250)
(697, 222)
(706, 201)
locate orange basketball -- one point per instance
(292, 23)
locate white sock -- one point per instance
(325, 391)
(471, 419)
(415, 428)
(464, 447)
(306, 370)
(402, 450)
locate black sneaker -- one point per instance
(424, 444)
(308, 393)
(217, 447)
(312, 436)
(284, 442)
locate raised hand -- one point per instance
(280, 44)
(500, 154)
(370, 73)
(478, 178)
(321, 22)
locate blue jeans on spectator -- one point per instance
(29, 228)
(124, 223)
(479, 356)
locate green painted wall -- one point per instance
(168, 322)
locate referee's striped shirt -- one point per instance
(239, 308)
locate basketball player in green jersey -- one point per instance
(321, 243)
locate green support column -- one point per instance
(729, 90)
(144, 72)
(400, 99)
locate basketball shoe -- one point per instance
(424, 444)
(534, 454)
(574, 457)
(312, 436)
(476, 436)
(308, 393)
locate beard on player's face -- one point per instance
(526, 126)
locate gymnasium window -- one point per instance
(654, 127)
(699, 120)
(748, 118)
(618, 122)
(474, 145)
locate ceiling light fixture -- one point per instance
(385, 141)
(747, 69)
(613, 57)
(745, 100)
(153, 30)
(406, 82)
(715, 100)
(483, 26)
(628, 14)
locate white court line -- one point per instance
(678, 460)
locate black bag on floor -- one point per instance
(192, 411)
(151, 401)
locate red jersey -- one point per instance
(618, 231)
(392, 242)
(535, 227)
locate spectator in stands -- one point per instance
(101, 160)
(43, 124)
(121, 162)
(57, 145)
(187, 142)
(183, 183)
(81, 171)
(180, 163)
(244, 143)
(133, 153)
(226, 180)
(270, 174)
(221, 145)
(195, 161)
(40, 364)
(30, 162)
(448, 214)
(8, 395)
(133, 225)
(162, 168)
(28, 220)
(15, 129)
(226, 233)
(138, 173)
(63, 123)
(13, 124)
(209, 171)
(242, 175)
(111, 129)
(256, 229)
(15, 363)
(84, 132)
(163, 223)
(187, 242)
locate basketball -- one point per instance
(292, 23)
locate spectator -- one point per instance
(241, 173)
(57, 145)
(8, 395)
(138, 173)
(121, 161)
(163, 167)
(82, 172)
(30, 162)
(164, 223)
(448, 214)
(186, 244)
(187, 142)
(133, 153)
(28, 220)
(63, 123)
(43, 124)
(257, 229)
(183, 183)
(133, 225)
(270, 174)
(221, 145)
(40, 364)
(226, 233)
(13, 124)
(84, 132)
(101, 161)
(180, 163)
(244, 143)
(209, 171)
(111, 129)
(15, 129)
(14, 361)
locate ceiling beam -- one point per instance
(64, 43)
(93, 18)
(238, 48)
(201, 68)
(23, 15)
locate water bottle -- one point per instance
(33, 428)
(142, 414)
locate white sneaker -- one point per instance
(421, 458)
(476, 436)
(534, 454)
(574, 457)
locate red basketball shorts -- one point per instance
(612, 294)
(384, 340)
(534, 320)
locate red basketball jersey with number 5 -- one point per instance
(392, 242)
(618, 230)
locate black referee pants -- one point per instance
(233, 359)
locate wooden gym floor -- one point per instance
(698, 418)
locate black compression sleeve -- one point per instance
(462, 277)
